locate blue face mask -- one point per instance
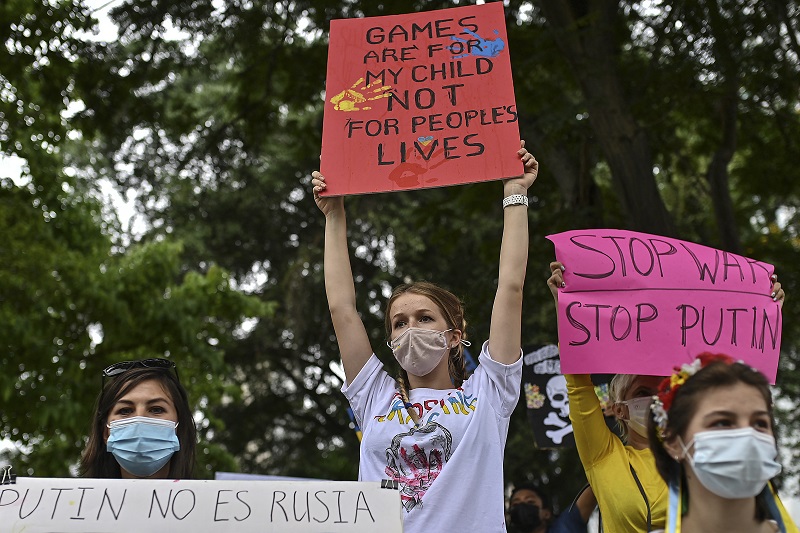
(142, 445)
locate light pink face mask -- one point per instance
(419, 350)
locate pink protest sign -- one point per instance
(419, 100)
(641, 304)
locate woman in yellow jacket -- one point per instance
(631, 494)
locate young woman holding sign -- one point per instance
(713, 441)
(437, 433)
(622, 473)
(142, 425)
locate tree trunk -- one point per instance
(584, 31)
(717, 173)
(579, 192)
(717, 176)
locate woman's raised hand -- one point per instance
(556, 280)
(777, 293)
(521, 184)
(326, 204)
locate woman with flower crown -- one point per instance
(712, 435)
(630, 493)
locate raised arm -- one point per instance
(593, 439)
(351, 335)
(505, 331)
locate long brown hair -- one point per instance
(96, 462)
(453, 311)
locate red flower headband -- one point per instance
(672, 384)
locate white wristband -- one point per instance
(515, 199)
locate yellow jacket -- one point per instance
(607, 462)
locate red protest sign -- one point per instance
(419, 100)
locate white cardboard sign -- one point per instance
(39, 505)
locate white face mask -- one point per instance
(419, 350)
(733, 463)
(638, 414)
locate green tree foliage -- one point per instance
(677, 119)
(72, 300)
(71, 307)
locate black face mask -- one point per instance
(525, 517)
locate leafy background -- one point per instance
(677, 118)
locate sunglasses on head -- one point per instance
(123, 366)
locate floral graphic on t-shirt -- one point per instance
(415, 459)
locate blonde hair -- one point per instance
(617, 389)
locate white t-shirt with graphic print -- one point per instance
(450, 468)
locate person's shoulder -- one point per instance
(486, 356)
(372, 375)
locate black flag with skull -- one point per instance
(544, 393)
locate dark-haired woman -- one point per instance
(142, 425)
(712, 435)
